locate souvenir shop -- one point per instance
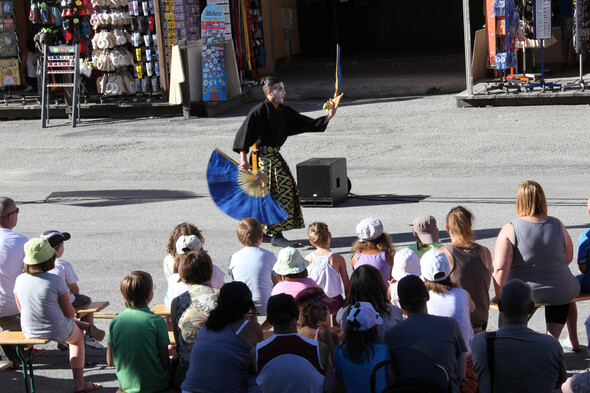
(124, 45)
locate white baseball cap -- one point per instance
(369, 229)
(435, 266)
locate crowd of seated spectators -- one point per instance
(416, 317)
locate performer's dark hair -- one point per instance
(268, 82)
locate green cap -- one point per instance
(38, 250)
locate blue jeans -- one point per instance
(584, 280)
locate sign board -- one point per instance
(213, 53)
(9, 72)
(542, 17)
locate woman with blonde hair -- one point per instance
(471, 264)
(537, 249)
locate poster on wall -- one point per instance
(213, 53)
(9, 72)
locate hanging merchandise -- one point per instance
(110, 47)
(248, 37)
(9, 53)
(144, 39)
(213, 53)
(224, 4)
(582, 26)
(182, 21)
(501, 29)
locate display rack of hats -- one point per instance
(47, 16)
(110, 48)
(61, 22)
(9, 51)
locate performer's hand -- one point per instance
(244, 166)
(331, 114)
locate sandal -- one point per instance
(568, 348)
(89, 387)
(39, 351)
(95, 332)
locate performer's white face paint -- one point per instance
(278, 93)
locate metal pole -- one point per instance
(467, 36)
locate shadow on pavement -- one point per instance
(101, 198)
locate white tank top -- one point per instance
(325, 275)
(455, 304)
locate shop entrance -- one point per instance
(365, 27)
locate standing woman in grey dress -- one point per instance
(536, 248)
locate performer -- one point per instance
(269, 124)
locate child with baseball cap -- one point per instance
(360, 350)
(446, 298)
(291, 269)
(426, 234)
(405, 263)
(46, 311)
(65, 270)
(373, 247)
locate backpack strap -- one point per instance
(491, 352)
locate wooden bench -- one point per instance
(161, 310)
(581, 297)
(24, 352)
(4, 364)
(92, 307)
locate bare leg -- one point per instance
(554, 329)
(77, 354)
(88, 318)
(567, 386)
(572, 327)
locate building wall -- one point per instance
(274, 41)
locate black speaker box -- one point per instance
(322, 181)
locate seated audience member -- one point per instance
(571, 342)
(12, 252)
(313, 306)
(360, 351)
(220, 358)
(405, 263)
(288, 362)
(190, 310)
(138, 339)
(421, 341)
(471, 264)
(367, 285)
(65, 270)
(373, 247)
(446, 298)
(536, 248)
(187, 229)
(580, 382)
(426, 234)
(292, 273)
(327, 268)
(253, 265)
(176, 286)
(524, 360)
(46, 312)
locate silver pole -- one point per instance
(467, 34)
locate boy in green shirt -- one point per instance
(138, 339)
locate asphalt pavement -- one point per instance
(120, 185)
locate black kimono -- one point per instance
(269, 128)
